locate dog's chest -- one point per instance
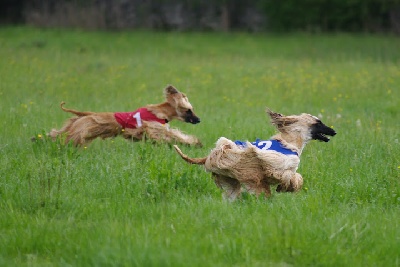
(135, 118)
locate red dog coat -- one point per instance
(134, 119)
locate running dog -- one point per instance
(150, 122)
(260, 164)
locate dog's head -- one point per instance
(306, 125)
(181, 103)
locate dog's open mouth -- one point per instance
(191, 117)
(192, 120)
(322, 132)
(322, 137)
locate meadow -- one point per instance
(119, 203)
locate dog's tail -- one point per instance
(198, 161)
(77, 113)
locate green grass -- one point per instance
(117, 203)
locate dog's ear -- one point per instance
(273, 115)
(279, 120)
(170, 90)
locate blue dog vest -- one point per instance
(269, 145)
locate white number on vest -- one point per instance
(138, 119)
(267, 145)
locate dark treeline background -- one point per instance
(217, 15)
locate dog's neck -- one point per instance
(163, 111)
(294, 142)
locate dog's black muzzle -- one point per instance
(190, 117)
(319, 131)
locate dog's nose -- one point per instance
(196, 120)
(192, 119)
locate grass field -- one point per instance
(117, 203)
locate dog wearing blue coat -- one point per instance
(256, 166)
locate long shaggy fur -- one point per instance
(87, 125)
(234, 166)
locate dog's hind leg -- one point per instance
(265, 188)
(69, 124)
(79, 139)
(84, 130)
(54, 133)
(231, 187)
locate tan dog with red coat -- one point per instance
(149, 122)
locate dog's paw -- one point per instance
(281, 189)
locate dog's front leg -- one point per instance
(132, 134)
(289, 182)
(266, 188)
(186, 139)
(296, 183)
(164, 133)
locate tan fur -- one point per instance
(87, 126)
(233, 166)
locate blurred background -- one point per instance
(219, 15)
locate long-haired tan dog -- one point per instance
(260, 164)
(146, 122)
